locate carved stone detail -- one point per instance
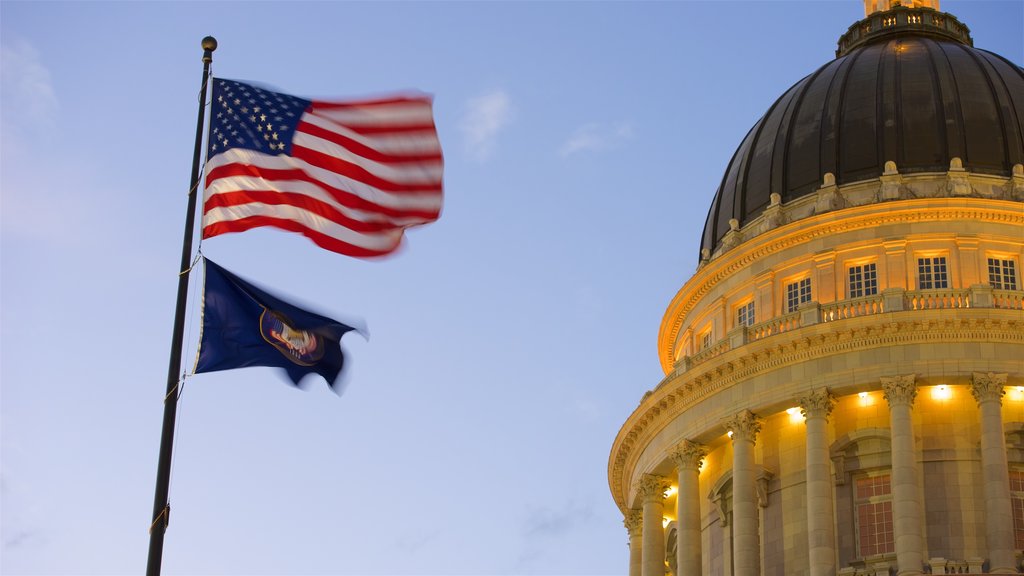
(652, 487)
(688, 454)
(1015, 186)
(957, 181)
(892, 183)
(817, 404)
(634, 522)
(773, 216)
(828, 198)
(988, 387)
(744, 426)
(900, 390)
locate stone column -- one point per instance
(688, 456)
(652, 490)
(821, 536)
(746, 532)
(988, 391)
(634, 525)
(907, 508)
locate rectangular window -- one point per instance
(797, 293)
(874, 516)
(1017, 503)
(863, 281)
(705, 340)
(931, 273)
(1002, 274)
(745, 315)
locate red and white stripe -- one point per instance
(359, 174)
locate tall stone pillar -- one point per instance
(907, 508)
(988, 391)
(746, 532)
(821, 536)
(652, 490)
(634, 525)
(688, 456)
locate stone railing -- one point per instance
(889, 300)
(852, 308)
(774, 326)
(933, 299)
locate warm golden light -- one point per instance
(1016, 393)
(729, 433)
(942, 392)
(795, 415)
(865, 399)
(671, 490)
(664, 521)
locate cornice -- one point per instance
(679, 392)
(802, 231)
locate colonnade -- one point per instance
(646, 533)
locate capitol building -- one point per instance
(844, 372)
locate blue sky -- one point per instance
(509, 340)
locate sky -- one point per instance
(508, 341)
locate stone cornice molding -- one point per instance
(679, 392)
(817, 404)
(744, 426)
(688, 455)
(900, 390)
(634, 522)
(652, 487)
(869, 216)
(988, 387)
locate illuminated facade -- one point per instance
(844, 389)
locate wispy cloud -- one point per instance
(546, 522)
(596, 136)
(485, 117)
(26, 88)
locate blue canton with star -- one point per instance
(244, 116)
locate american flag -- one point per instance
(350, 176)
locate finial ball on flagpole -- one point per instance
(209, 43)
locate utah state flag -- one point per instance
(246, 326)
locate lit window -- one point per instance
(1017, 503)
(1002, 274)
(863, 281)
(931, 273)
(797, 293)
(745, 315)
(705, 340)
(874, 516)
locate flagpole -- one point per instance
(161, 507)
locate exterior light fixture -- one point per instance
(942, 392)
(795, 415)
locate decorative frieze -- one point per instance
(744, 426)
(688, 455)
(817, 404)
(901, 390)
(988, 387)
(652, 487)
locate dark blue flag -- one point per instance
(245, 326)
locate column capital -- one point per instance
(900, 390)
(817, 404)
(652, 487)
(634, 522)
(744, 426)
(988, 387)
(688, 455)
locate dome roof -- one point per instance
(907, 86)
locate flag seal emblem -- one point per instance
(300, 346)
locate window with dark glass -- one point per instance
(863, 281)
(874, 516)
(797, 293)
(932, 273)
(1017, 503)
(745, 315)
(705, 340)
(1002, 274)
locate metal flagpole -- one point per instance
(161, 507)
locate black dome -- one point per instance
(904, 91)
